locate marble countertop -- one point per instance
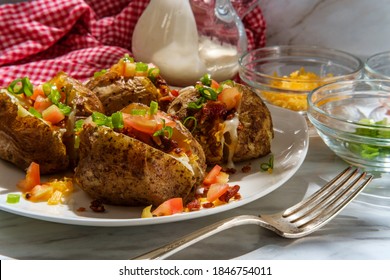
(360, 232)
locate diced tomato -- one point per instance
(40, 193)
(140, 123)
(38, 91)
(169, 207)
(41, 103)
(231, 97)
(214, 84)
(32, 179)
(211, 177)
(216, 190)
(119, 68)
(175, 92)
(53, 114)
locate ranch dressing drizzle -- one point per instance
(166, 35)
(231, 128)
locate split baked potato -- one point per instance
(128, 82)
(229, 120)
(138, 156)
(36, 125)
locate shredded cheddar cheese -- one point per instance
(298, 81)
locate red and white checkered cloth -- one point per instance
(40, 38)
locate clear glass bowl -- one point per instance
(353, 119)
(284, 75)
(377, 66)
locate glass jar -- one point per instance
(189, 38)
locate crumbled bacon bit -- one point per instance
(246, 168)
(208, 205)
(229, 170)
(97, 206)
(231, 192)
(81, 209)
(194, 205)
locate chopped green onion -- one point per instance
(141, 67)
(153, 108)
(208, 93)
(198, 104)
(46, 87)
(27, 86)
(206, 80)
(371, 151)
(99, 73)
(35, 113)
(78, 125)
(228, 82)
(128, 58)
(13, 198)
(153, 73)
(188, 119)
(268, 166)
(99, 118)
(195, 106)
(22, 85)
(117, 120)
(165, 129)
(138, 112)
(65, 109)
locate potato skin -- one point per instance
(116, 92)
(27, 139)
(254, 133)
(121, 170)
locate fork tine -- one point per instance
(320, 193)
(338, 203)
(335, 194)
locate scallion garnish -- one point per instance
(99, 73)
(117, 120)
(153, 108)
(128, 58)
(65, 109)
(13, 198)
(153, 73)
(138, 112)
(188, 119)
(268, 166)
(165, 129)
(78, 125)
(99, 118)
(206, 80)
(208, 93)
(35, 113)
(141, 67)
(19, 86)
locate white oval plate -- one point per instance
(289, 148)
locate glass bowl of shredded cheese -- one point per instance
(284, 75)
(353, 119)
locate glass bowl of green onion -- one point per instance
(353, 119)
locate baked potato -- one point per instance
(230, 121)
(138, 156)
(36, 125)
(128, 82)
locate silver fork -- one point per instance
(297, 221)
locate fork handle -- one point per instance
(196, 236)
